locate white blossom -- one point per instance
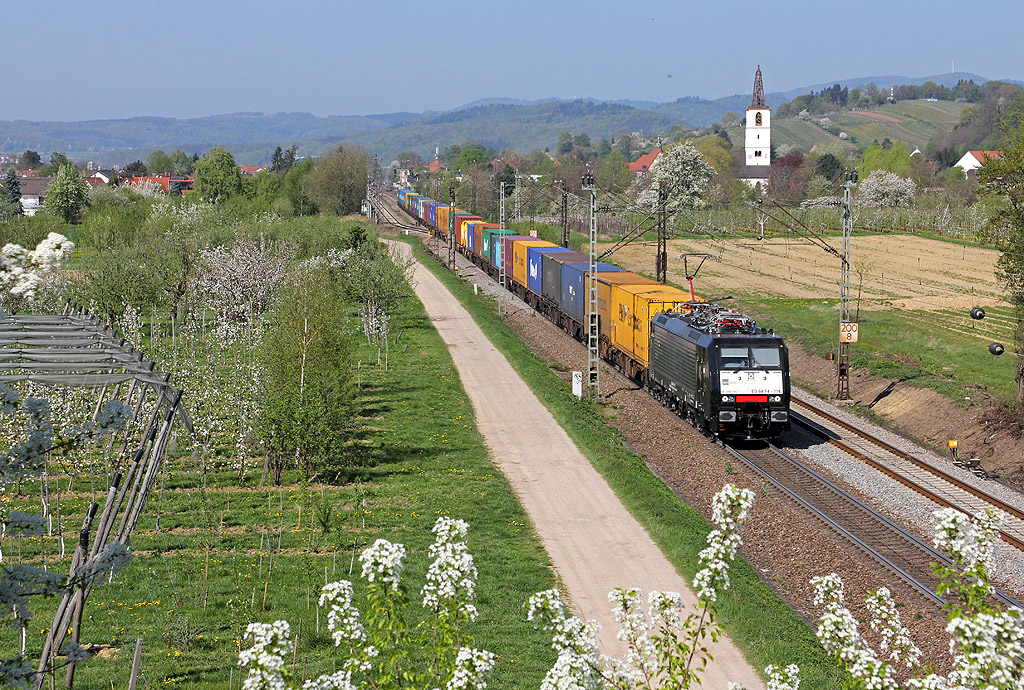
(266, 657)
(383, 560)
(783, 679)
(451, 578)
(471, 668)
(730, 508)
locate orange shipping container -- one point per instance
(605, 281)
(632, 307)
(519, 258)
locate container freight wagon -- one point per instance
(491, 233)
(520, 264)
(574, 287)
(717, 368)
(501, 251)
(535, 266)
(632, 308)
(551, 273)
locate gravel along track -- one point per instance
(922, 474)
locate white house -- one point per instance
(973, 160)
(33, 193)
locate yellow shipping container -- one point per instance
(441, 217)
(519, 257)
(632, 307)
(605, 281)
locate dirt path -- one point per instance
(594, 543)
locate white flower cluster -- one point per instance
(383, 560)
(730, 508)
(471, 668)
(783, 679)
(837, 630)
(266, 657)
(987, 649)
(23, 271)
(969, 542)
(342, 680)
(451, 578)
(343, 622)
(885, 620)
(628, 612)
(578, 662)
(886, 189)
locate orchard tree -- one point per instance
(1003, 177)
(217, 175)
(68, 194)
(686, 175)
(337, 182)
(886, 190)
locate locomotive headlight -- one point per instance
(728, 399)
(776, 398)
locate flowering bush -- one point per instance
(986, 643)
(23, 271)
(377, 652)
(886, 189)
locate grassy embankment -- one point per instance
(760, 623)
(200, 576)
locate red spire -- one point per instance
(758, 100)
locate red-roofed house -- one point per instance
(644, 162)
(435, 165)
(163, 181)
(973, 160)
(251, 169)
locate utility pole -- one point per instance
(661, 261)
(451, 225)
(501, 207)
(593, 336)
(847, 329)
(517, 215)
(565, 213)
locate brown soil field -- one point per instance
(898, 270)
(887, 271)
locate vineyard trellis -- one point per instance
(77, 350)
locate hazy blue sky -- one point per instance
(122, 58)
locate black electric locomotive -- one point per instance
(717, 368)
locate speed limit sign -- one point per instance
(848, 332)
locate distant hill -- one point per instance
(522, 127)
(497, 122)
(913, 123)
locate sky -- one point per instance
(120, 58)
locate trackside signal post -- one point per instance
(593, 355)
(847, 329)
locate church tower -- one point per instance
(758, 148)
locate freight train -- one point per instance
(711, 365)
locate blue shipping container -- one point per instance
(535, 266)
(574, 287)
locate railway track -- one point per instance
(916, 472)
(880, 539)
(389, 217)
(906, 556)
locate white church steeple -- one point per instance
(758, 148)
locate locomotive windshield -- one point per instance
(750, 357)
